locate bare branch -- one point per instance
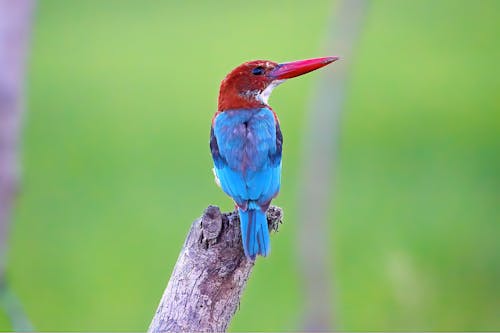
(209, 277)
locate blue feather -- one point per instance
(254, 232)
(232, 184)
(246, 147)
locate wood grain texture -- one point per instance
(209, 277)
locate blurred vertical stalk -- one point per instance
(319, 159)
(15, 28)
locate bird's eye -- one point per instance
(258, 70)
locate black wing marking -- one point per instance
(214, 148)
(276, 156)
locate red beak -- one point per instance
(295, 68)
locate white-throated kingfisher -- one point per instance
(246, 143)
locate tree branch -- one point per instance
(209, 277)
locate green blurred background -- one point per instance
(116, 161)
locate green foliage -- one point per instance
(116, 161)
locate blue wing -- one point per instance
(231, 182)
(246, 147)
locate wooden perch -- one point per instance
(209, 277)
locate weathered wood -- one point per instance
(209, 277)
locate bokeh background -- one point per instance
(116, 162)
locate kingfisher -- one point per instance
(246, 143)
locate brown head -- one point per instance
(250, 84)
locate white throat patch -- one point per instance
(264, 95)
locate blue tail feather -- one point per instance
(254, 232)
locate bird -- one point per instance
(246, 143)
